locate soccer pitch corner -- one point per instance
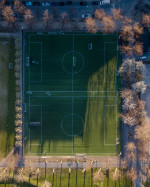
(71, 94)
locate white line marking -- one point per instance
(41, 123)
(75, 96)
(73, 153)
(73, 91)
(29, 126)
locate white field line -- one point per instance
(74, 96)
(29, 126)
(41, 124)
(105, 124)
(72, 153)
(116, 100)
(72, 90)
(64, 34)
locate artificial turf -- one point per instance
(7, 96)
(72, 91)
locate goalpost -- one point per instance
(34, 124)
(74, 61)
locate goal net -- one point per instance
(34, 124)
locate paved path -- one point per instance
(4, 161)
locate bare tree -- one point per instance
(91, 25)
(127, 21)
(138, 48)
(29, 17)
(63, 19)
(20, 176)
(128, 99)
(142, 132)
(146, 20)
(132, 174)
(4, 176)
(19, 7)
(98, 177)
(117, 13)
(8, 14)
(12, 163)
(139, 87)
(138, 30)
(128, 67)
(128, 118)
(109, 24)
(47, 19)
(127, 33)
(131, 151)
(100, 14)
(116, 175)
(139, 73)
(30, 168)
(127, 49)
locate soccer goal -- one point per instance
(74, 61)
(90, 46)
(34, 124)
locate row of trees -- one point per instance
(134, 114)
(18, 103)
(130, 31)
(19, 11)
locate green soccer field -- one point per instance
(71, 93)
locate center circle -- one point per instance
(72, 125)
(72, 62)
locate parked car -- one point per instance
(69, 2)
(83, 3)
(95, 3)
(54, 3)
(85, 15)
(29, 3)
(93, 15)
(142, 57)
(61, 4)
(101, 2)
(36, 3)
(45, 4)
(28, 16)
(7, 3)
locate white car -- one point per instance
(101, 2)
(28, 3)
(142, 57)
(85, 15)
(45, 4)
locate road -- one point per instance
(78, 10)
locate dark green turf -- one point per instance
(8, 95)
(76, 103)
